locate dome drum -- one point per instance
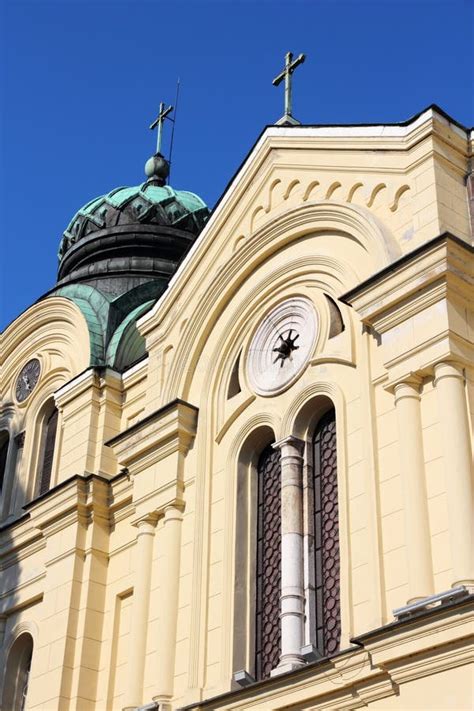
(151, 250)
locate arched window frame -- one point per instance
(268, 558)
(4, 455)
(49, 409)
(36, 437)
(315, 563)
(18, 661)
(16, 438)
(302, 419)
(246, 490)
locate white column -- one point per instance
(418, 541)
(169, 619)
(455, 434)
(292, 577)
(140, 606)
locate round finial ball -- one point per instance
(157, 167)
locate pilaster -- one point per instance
(412, 468)
(140, 610)
(72, 611)
(420, 309)
(92, 402)
(153, 451)
(456, 438)
(171, 541)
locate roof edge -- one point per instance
(268, 131)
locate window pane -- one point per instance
(268, 579)
(51, 425)
(326, 537)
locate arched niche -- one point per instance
(17, 672)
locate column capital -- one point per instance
(448, 369)
(411, 380)
(289, 445)
(147, 523)
(410, 387)
(173, 512)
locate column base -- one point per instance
(417, 598)
(163, 702)
(288, 664)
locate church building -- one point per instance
(236, 446)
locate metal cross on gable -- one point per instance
(290, 66)
(163, 113)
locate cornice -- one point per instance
(120, 491)
(445, 257)
(135, 374)
(400, 648)
(16, 548)
(445, 346)
(19, 601)
(173, 425)
(90, 382)
(435, 640)
(76, 500)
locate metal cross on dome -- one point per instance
(290, 66)
(163, 113)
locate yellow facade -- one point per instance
(125, 573)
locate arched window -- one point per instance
(18, 673)
(268, 563)
(256, 638)
(4, 441)
(326, 536)
(48, 441)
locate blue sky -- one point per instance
(81, 81)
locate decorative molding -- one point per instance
(270, 368)
(363, 229)
(170, 429)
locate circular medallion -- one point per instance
(27, 379)
(282, 346)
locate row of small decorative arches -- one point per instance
(328, 192)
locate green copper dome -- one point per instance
(147, 203)
(118, 254)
